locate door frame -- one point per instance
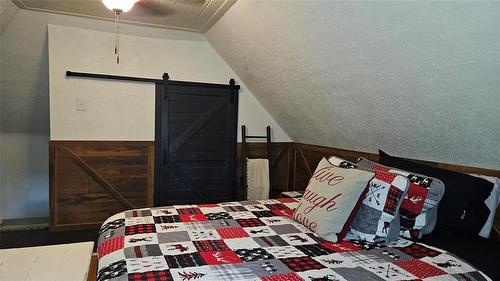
(161, 102)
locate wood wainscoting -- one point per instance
(307, 157)
(294, 163)
(92, 180)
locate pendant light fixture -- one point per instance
(118, 7)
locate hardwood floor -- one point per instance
(41, 237)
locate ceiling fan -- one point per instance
(123, 6)
(142, 7)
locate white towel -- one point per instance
(257, 179)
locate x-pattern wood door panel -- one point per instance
(198, 142)
(92, 180)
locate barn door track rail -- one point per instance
(148, 80)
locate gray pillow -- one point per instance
(418, 211)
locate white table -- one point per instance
(65, 262)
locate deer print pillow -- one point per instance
(331, 200)
(418, 212)
(378, 217)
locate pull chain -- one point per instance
(117, 35)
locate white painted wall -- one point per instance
(24, 103)
(419, 79)
(125, 110)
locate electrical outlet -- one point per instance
(81, 105)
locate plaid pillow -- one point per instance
(462, 210)
(418, 212)
(378, 217)
(331, 200)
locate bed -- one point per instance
(483, 253)
(255, 240)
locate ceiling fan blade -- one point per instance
(152, 7)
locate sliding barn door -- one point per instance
(196, 142)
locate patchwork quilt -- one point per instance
(255, 240)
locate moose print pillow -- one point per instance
(418, 212)
(331, 200)
(378, 217)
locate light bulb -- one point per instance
(121, 5)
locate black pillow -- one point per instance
(462, 209)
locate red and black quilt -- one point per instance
(255, 240)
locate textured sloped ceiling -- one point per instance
(419, 79)
(7, 12)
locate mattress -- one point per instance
(255, 240)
